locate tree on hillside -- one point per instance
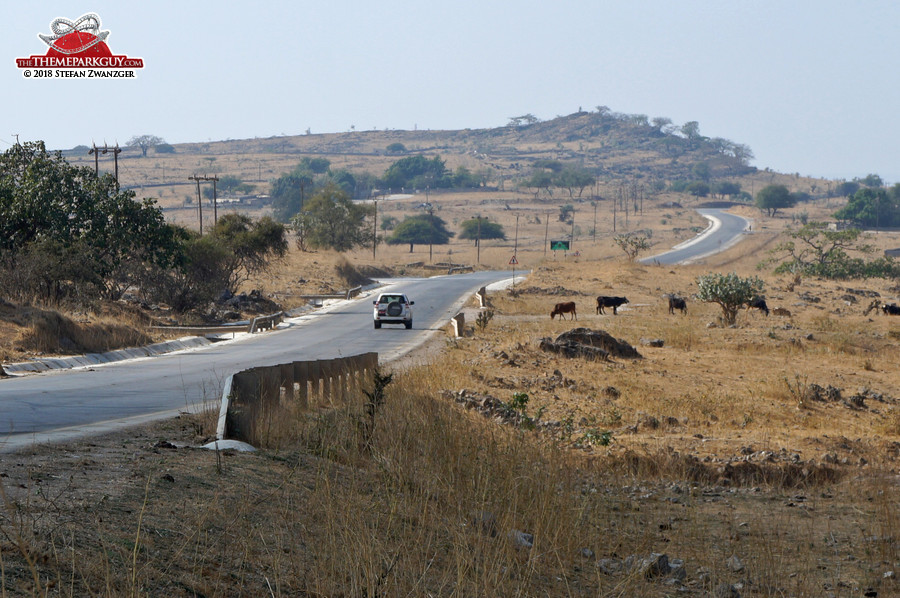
(701, 171)
(481, 228)
(691, 131)
(417, 171)
(539, 180)
(772, 198)
(730, 291)
(872, 180)
(847, 188)
(662, 124)
(554, 166)
(697, 188)
(724, 188)
(144, 142)
(572, 178)
(331, 220)
(309, 165)
(525, 119)
(420, 229)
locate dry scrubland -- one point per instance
(712, 446)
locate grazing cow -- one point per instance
(760, 304)
(677, 303)
(564, 308)
(780, 311)
(613, 302)
(890, 310)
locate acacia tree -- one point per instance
(420, 229)
(632, 244)
(772, 198)
(331, 220)
(481, 228)
(730, 291)
(574, 178)
(145, 142)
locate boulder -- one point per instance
(598, 339)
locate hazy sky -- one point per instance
(810, 87)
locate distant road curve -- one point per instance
(723, 231)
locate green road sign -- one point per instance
(559, 245)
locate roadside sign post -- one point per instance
(559, 245)
(512, 262)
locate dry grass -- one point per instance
(712, 445)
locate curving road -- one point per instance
(724, 231)
(69, 403)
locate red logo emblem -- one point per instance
(79, 44)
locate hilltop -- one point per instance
(618, 149)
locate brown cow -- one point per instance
(564, 308)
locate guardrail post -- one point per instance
(459, 324)
(315, 379)
(327, 373)
(286, 371)
(301, 378)
(481, 295)
(243, 406)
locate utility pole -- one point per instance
(375, 229)
(116, 151)
(214, 180)
(546, 230)
(516, 243)
(594, 233)
(614, 212)
(430, 241)
(199, 202)
(96, 151)
(573, 230)
(478, 242)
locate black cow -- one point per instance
(760, 304)
(891, 310)
(677, 303)
(613, 302)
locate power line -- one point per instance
(214, 180)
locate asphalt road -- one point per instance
(724, 231)
(69, 403)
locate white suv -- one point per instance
(393, 308)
